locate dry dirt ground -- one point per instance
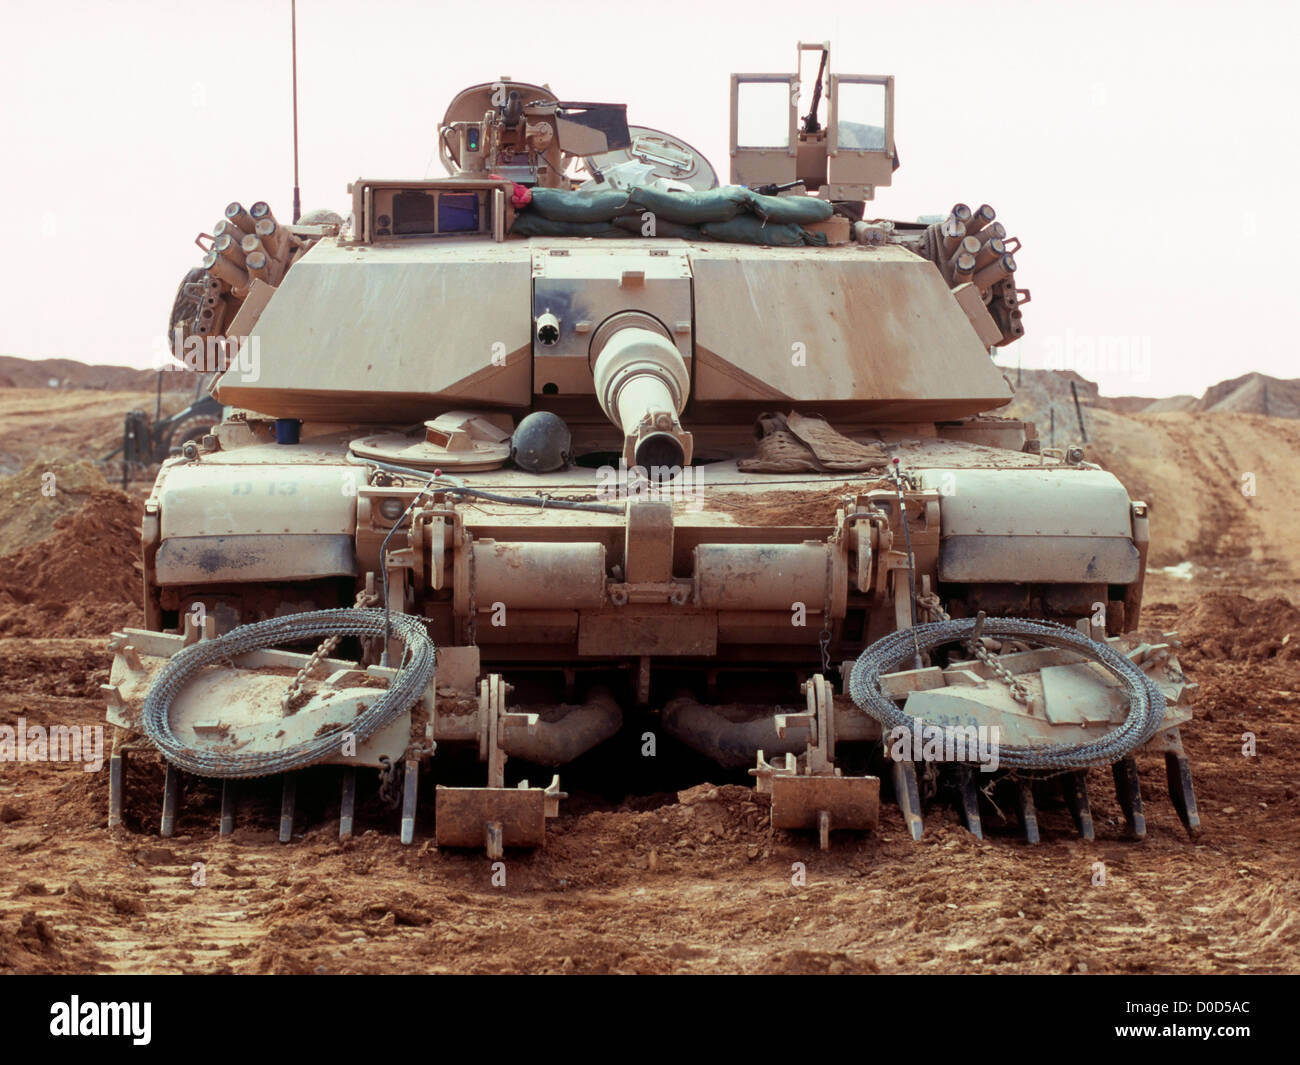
(694, 881)
(67, 424)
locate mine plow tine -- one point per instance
(1025, 809)
(908, 797)
(410, 786)
(116, 778)
(1129, 792)
(227, 823)
(1179, 771)
(348, 803)
(171, 797)
(493, 841)
(1074, 790)
(824, 829)
(970, 801)
(288, 796)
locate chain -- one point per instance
(390, 787)
(293, 695)
(931, 604)
(896, 475)
(824, 637)
(472, 627)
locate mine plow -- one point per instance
(1038, 717)
(226, 709)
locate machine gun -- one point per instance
(810, 123)
(772, 189)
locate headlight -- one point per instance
(391, 508)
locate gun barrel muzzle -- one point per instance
(642, 385)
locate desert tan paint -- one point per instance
(395, 331)
(859, 325)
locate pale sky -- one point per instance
(1144, 153)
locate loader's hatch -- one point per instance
(847, 159)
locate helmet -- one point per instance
(541, 443)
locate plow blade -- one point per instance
(495, 818)
(825, 803)
(1071, 701)
(239, 707)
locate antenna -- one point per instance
(293, 32)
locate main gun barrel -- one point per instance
(642, 385)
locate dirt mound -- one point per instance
(83, 578)
(1171, 403)
(16, 372)
(1254, 393)
(1041, 393)
(1222, 488)
(731, 821)
(1234, 627)
(32, 500)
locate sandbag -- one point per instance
(692, 208)
(530, 224)
(560, 205)
(634, 226)
(801, 210)
(750, 229)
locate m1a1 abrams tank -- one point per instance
(576, 453)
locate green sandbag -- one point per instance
(560, 205)
(692, 208)
(634, 226)
(801, 210)
(530, 224)
(749, 229)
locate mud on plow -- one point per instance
(987, 713)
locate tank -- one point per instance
(576, 461)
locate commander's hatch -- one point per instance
(524, 132)
(832, 133)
